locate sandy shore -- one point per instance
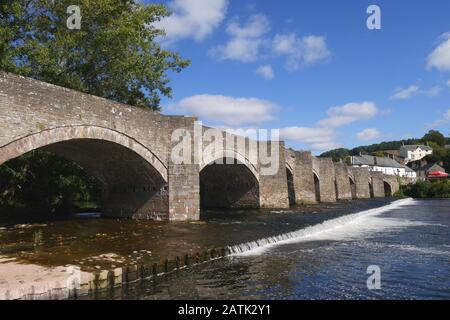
(28, 281)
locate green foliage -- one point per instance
(337, 154)
(114, 55)
(426, 190)
(434, 136)
(47, 183)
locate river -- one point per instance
(310, 252)
(409, 241)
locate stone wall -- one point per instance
(274, 188)
(378, 184)
(183, 179)
(303, 176)
(362, 179)
(343, 187)
(325, 170)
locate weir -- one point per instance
(321, 231)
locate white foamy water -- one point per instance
(348, 227)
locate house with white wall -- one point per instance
(415, 152)
(382, 164)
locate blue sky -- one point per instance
(313, 69)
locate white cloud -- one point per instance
(414, 90)
(245, 40)
(227, 110)
(318, 139)
(440, 57)
(257, 26)
(404, 94)
(448, 83)
(195, 19)
(300, 51)
(265, 72)
(444, 120)
(250, 42)
(433, 92)
(342, 115)
(368, 134)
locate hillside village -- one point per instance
(421, 159)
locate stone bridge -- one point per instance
(130, 151)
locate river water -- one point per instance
(324, 251)
(409, 241)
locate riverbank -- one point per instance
(115, 251)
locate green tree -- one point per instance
(113, 55)
(28, 183)
(434, 136)
(336, 154)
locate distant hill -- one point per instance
(378, 148)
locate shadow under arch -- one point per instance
(316, 185)
(134, 180)
(371, 190)
(228, 183)
(352, 187)
(290, 184)
(387, 189)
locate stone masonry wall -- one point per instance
(274, 188)
(303, 177)
(378, 184)
(344, 191)
(183, 179)
(327, 176)
(362, 179)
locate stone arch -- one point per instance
(231, 182)
(134, 179)
(387, 189)
(229, 154)
(47, 137)
(290, 184)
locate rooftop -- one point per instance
(375, 161)
(415, 147)
(434, 166)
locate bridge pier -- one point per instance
(378, 184)
(325, 169)
(274, 188)
(362, 180)
(343, 187)
(301, 163)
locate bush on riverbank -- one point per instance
(426, 189)
(42, 182)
